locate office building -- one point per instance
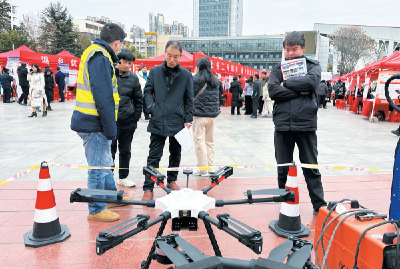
(217, 18)
(259, 52)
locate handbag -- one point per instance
(240, 98)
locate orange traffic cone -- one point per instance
(46, 226)
(289, 223)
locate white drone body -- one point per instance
(185, 200)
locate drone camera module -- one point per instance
(185, 221)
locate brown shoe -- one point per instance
(111, 205)
(148, 195)
(105, 215)
(173, 186)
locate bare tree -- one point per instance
(32, 25)
(350, 44)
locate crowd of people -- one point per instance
(111, 100)
(32, 84)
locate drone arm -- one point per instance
(85, 196)
(157, 177)
(107, 239)
(218, 177)
(285, 196)
(246, 235)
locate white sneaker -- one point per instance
(201, 175)
(126, 182)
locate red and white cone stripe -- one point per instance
(45, 208)
(291, 209)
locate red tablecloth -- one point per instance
(380, 104)
(228, 98)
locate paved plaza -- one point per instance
(343, 139)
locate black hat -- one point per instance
(5, 70)
(47, 69)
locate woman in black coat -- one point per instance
(236, 90)
(48, 86)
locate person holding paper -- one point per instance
(168, 97)
(206, 110)
(295, 117)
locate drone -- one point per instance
(185, 208)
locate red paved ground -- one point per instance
(17, 203)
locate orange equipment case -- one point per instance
(343, 248)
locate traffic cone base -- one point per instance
(35, 242)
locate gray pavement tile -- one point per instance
(239, 140)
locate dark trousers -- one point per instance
(24, 95)
(233, 110)
(6, 95)
(61, 92)
(307, 144)
(124, 141)
(322, 100)
(255, 106)
(248, 104)
(260, 105)
(157, 143)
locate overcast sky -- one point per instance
(260, 16)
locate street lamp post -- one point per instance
(12, 20)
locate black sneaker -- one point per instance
(396, 132)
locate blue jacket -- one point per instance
(100, 75)
(60, 79)
(6, 80)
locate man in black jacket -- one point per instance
(322, 91)
(129, 112)
(255, 95)
(336, 91)
(169, 97)
(295, 117)
(6, 81)
(23, 82)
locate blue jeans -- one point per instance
(98, 153)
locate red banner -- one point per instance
(52, 61)
(225, 67)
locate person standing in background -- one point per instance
(129, 112)
(49, 86)
(169, 98)
(236, 90)
(206, 110)
(24, 83)
(60, 80)
(248, 89)
(255, 95)
(6, 81)
(142, 75)
(295, 117)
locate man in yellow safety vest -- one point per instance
(95, 114)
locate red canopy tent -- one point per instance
(65, 53)
(186, 61)
(13, 53)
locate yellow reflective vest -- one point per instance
(84, 98)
